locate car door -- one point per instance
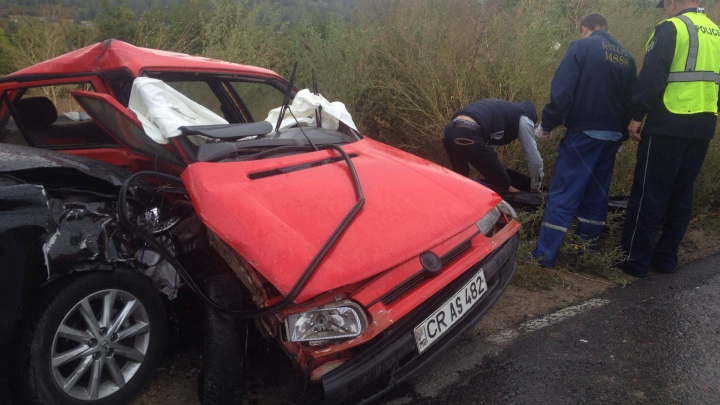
(123, 125)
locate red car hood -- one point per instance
(279, 223)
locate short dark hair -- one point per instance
(594, 22)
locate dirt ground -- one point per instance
(176, 382)
(698, 243)
(518, 304)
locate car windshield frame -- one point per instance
(236, 110)
(239, 113)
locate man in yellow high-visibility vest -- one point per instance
(677, 89)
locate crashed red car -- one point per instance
(362, 261)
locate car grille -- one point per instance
(458, 251)
(415, 280)
(402, 288)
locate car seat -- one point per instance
(38, 116)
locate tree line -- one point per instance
(85, 10)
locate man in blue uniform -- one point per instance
(479, 127)
(590, 94)
(678, 91)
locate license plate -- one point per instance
(432, 328)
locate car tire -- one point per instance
(66, 359)
(221, 382)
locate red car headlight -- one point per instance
(338, 320)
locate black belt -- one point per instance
(475, 128)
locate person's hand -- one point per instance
(634, 130)
(541, 133)
(536, 191)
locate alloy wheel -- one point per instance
(100, 344)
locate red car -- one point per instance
(362, 261)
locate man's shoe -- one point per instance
(660, 269)
(545, 264)
(542, 261)
(627, 268)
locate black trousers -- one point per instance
(662, 194)
(465, 146)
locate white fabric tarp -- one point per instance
(162, 110)
(303, 107)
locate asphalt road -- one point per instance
(656, 341)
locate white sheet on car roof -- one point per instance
(162, 110)
(303, 107)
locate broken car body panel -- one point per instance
(74, 200)
(77, 231)
(15, 158)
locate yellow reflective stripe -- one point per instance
(684, 77)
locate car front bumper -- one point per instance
(393, 357)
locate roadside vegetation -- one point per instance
(401, 66)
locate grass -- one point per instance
(574, 255)
(573, 258)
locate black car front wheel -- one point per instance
(221, 382)
(93, 339)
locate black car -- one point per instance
(81, 312)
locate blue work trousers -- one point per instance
(579, 186)
(662, 194)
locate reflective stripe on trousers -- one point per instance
(555, 227)
(591, 222)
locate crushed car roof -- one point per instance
(113, 54)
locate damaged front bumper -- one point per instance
(393, 357)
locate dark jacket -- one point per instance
(647, 98)
(592, 86)
(499, 120)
